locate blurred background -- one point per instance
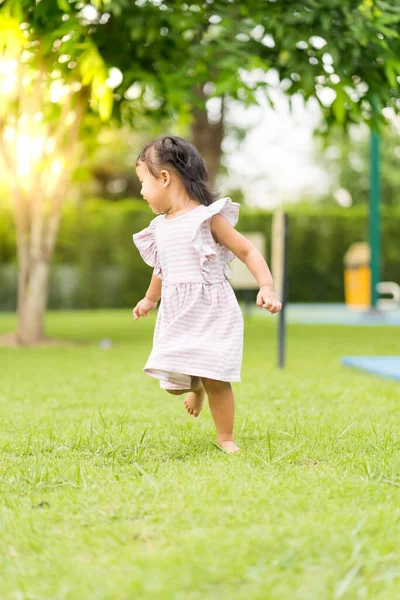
(292, 107)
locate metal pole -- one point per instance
(282, 315)
(374, 217)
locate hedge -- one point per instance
(97, 265)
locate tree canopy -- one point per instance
(345, 53)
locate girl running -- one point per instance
(198, 336)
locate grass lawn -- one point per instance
(109, 490)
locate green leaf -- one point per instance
(64, 6)
(391, 73)
(338, 105)
(387, 32)
(101, 96)
(11, 37)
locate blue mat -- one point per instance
(385, 366)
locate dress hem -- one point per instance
(148, 370)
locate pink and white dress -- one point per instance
(199, 325)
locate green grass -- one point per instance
(109, 490)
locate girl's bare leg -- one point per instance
(222, 407)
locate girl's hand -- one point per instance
(143, 307)
(266, 298)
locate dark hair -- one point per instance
(181, 156)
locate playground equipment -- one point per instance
(388, 288)
(357, 282)
(385, 366)
(358, 292)
(357, 276)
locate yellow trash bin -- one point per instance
(357, 276)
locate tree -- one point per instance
(344, 54)
(69, 66)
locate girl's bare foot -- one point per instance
(229, 446)
(195, 399)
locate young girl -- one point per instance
(198, 336)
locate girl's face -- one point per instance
(153, 190)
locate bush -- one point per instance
(97, 265)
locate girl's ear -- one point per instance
(165, 177)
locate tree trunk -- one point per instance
(206, 136)
(32, 301)
(38, 196)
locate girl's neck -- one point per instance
(182, 207)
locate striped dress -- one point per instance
(199, 325)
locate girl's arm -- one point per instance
(150, 300)
(225, 234)
(154, 290)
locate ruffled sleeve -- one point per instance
(145, 242)
(230, 210)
